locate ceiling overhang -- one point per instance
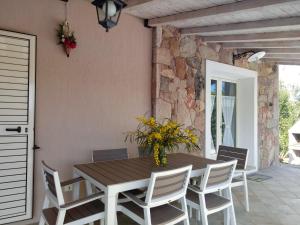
(269, 25)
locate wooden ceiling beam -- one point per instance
(262, 45)
(280, 56)
(289, 63)
(216, 10)
(256, 37)
(274, 50)
(282, 60)
(288, 22)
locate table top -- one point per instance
(121, 171)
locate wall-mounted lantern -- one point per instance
(108, 12)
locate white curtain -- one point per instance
(228, 103)
(212, 104)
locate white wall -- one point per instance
(86, 101)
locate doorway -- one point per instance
(17, 102)
(231, 109)
(223, 113)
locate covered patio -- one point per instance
(273, 202)
(193, 62)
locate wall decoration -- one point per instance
(65, 35)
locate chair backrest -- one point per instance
(227, 154)
(168, 186)
(110, 154)
(52, 185)
(218, 176)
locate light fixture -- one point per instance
(256, 56)
(251, 56)
(108, 12)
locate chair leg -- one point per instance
(231, 208)
(60, 217)
(232, 212)
(191, 211)
(45, 205)
(246, 192)
(116, 220)
(227, 216)
(226, 211)
(198, 214)
(147, 216)
(203, 210)
(184, 208)
(187, 220)
(102, 222)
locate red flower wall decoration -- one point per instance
(66, 37)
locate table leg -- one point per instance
(88, 187)
(76, 187)
(110, 207)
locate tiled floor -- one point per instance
(272, 202)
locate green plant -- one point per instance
(288, 115)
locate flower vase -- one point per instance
(163, 157)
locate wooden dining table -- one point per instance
(118, 176)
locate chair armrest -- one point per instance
(71, 181)
(83, 201)
(195, 189)
(134, 199)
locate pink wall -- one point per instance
(88, 100)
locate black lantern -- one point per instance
(108, 12)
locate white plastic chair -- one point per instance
(217, 177)
(164, 188)
(78, 212)
(109, 154)
(226, 153)
(115, 154)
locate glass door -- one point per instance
(223, 114)
(228, 105)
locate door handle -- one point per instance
(18, 129)
(36, 147)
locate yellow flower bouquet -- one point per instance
(163, 137)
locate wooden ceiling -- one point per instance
(270, 25)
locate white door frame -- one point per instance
(26, 127)
(232, 74)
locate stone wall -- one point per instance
(178, 86)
